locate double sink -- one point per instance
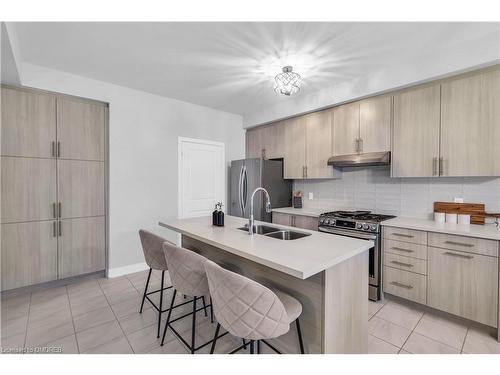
(275, 232)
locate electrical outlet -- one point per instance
(459, 200)
(311, 196)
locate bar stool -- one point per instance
(188, 277)
(249, 310)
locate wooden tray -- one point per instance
(475, 210)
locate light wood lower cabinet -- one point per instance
(299, 221)
(28, 189)
(29, 253)
(81, 246)
(463, 284)
(409, 285)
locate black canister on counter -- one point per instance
(215, 215)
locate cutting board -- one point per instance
(475, 210)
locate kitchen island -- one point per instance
(328, 274)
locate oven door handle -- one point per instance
(348, 233)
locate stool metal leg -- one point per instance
(161, 303)
(251, 346)
(145, 290)
(168, 317)
(244, 344)
(212, 348)
(194, 325)
(211, 311)
(204, 305)
(299, 333)
(258, 346)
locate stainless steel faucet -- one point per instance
(268, 208)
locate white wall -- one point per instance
(461, 56)
(143, 132)
(373, 189)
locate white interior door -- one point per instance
(201, 176)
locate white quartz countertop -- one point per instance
(487, 231)
(301, 258)
(313, 212)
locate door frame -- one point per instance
(182, 140)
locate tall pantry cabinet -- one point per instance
(53, 187)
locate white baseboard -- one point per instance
(125, 270)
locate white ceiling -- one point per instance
(230, 66)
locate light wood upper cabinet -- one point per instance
(28, 189)
(28, 123)
(415, 151)
(253, 140)
(470, 125)
(81, 246)
(319, 144)
(81, 129)
(295, 148)
(346, 129)
(29, 253)
(81, 188)
(375, 124)
(273, 140)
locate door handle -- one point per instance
(458, 255)
(360, 144)
(356, 144)
(306, 171)
(59, 209)
(402, 235)
(401, 285)
(60, 228)
(401, 264)
(54, 230)
(441, 172)
(240, 191)
(434, 166)
(245, 187)
(53, 149)
(401, 249)
(58, 149)
(459, 243)
(54, 213)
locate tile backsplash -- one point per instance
(373, 189)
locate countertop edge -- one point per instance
(290, 271)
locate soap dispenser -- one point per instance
(220, 215)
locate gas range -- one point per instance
(363, 221)
(363, 225)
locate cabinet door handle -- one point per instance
(401, 285)
(60, 228)
(401, 249)
(54, 230)
(402, 235)
(458, 255)
(356, 142)
(459, 243)
(59, 209)
(441, 173)
(58, 149)
(401, 264)
(53, 149)
(306, 171)
(360, 143)
(434, 166)
(54, 213)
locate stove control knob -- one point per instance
(366, 227)
(359, 226)
(327, 221)
(373, 227)
(321, 221)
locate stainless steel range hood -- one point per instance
(361, 160)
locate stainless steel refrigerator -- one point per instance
(249, 174)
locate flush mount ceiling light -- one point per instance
(287, 82)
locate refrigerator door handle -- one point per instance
(240, 182)
(245, 187)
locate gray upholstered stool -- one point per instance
(153, 254)
(188, 277)
(249, 310)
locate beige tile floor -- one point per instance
(101, 316)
